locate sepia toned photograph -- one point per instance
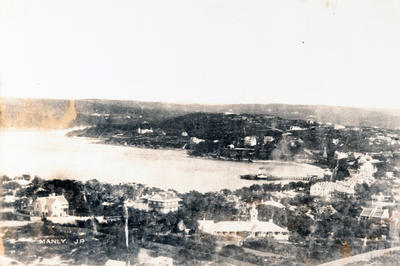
(199, 132)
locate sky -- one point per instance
(204, 51)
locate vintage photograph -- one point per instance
(199, 132)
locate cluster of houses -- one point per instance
(325, 189)
(363, 175)
(383, 217)
(57, 205)
(390, 139)
(162, 202)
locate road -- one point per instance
(362, 257)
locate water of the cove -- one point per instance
(50, 154)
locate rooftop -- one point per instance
(241, 226)
(165, 196)
(51, 199)
(274, 204)
(375, 213)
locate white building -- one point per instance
(273, 204)
(52, 206)
(164, 202)
(338, 127)
(194, 140)
(268, 139)
(250, 140)
(296, 128)
(243, 229)
(322, 189)
(345, 187)
(375, 214)
(139, 204)
(325, 189)
(144, 131)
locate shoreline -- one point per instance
(61, 157)
(206, 156)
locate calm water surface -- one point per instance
(50, 154)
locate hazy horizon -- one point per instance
(202, 103)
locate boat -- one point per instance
(259, 176)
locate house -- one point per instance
(345, 187)
(294, 128)
(51, 206)
(22, 180)
(268, 139)
(322, 189)
(250, 140)
(164, 202)
(194, 140)
(242, 229)
(139, 204)
(374, 214)
(325, 189)
(380, 197)
(338, 127)
(273, 204)
(144, 131)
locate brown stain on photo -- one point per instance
(38, 115)
(345, 250)
(1, 216)
(2, 112)
(327, 3)
(1, 246)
